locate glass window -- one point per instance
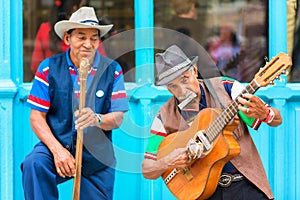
(40, 41)
(234, 32)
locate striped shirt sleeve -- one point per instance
(234, 88)
(39, 98)
(119, 101)
(157, 134)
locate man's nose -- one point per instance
(182, 91)
(87, 43)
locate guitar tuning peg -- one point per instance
(266, 59)
(279, 78)
(286, 72)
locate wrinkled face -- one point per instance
(84, 43)
(183, 84)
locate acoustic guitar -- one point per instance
(213, 130)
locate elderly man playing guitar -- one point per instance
(186, 148)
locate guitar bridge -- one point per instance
(187, 173)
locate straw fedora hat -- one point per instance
(84, 17)
(171, 63)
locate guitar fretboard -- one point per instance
(222, 120)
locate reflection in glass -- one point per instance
(234, 32)
(40, 42)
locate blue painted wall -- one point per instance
(279, 147)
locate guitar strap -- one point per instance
(212, 91)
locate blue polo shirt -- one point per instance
(39, 98)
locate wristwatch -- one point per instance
(270, 116)
(99, 118)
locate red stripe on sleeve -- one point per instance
(39, 101)
(158, 133)
(119, 74)
(118, 96)
(41, 76)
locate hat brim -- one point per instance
(63, 26)
(174, 75)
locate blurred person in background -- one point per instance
(47, 43)
(225, 50)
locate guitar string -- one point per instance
(216, 127)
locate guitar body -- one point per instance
(200, 179)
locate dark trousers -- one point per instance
(241, 190)
(40, 179)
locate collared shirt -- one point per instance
(39, 98)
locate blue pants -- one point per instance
(40, 179)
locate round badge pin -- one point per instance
(99, 93)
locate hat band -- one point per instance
(174, 69)
(91, 22)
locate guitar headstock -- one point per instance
(273, 69)
(84, 66)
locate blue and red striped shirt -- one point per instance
(39, 98)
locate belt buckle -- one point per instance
(225, 180)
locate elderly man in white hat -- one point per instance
(243, 177)
(54, 118)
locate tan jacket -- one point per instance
(248, 162)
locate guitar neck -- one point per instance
(216, 127)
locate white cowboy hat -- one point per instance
(84, 17)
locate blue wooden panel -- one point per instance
(6, 161)
(144, 41)
(295, 183)
(278, 146)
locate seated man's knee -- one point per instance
(36, 163)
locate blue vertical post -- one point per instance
(144, 41)
(19, 122)
(278, 175)
(16, 41)
(277, 27)
(278, 30)
(9, 31)
(144, 59)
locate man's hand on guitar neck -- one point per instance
(253, 106)
(152, 169)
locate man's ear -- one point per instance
(67, 39)
(195, 69)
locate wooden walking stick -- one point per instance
(83, 73)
